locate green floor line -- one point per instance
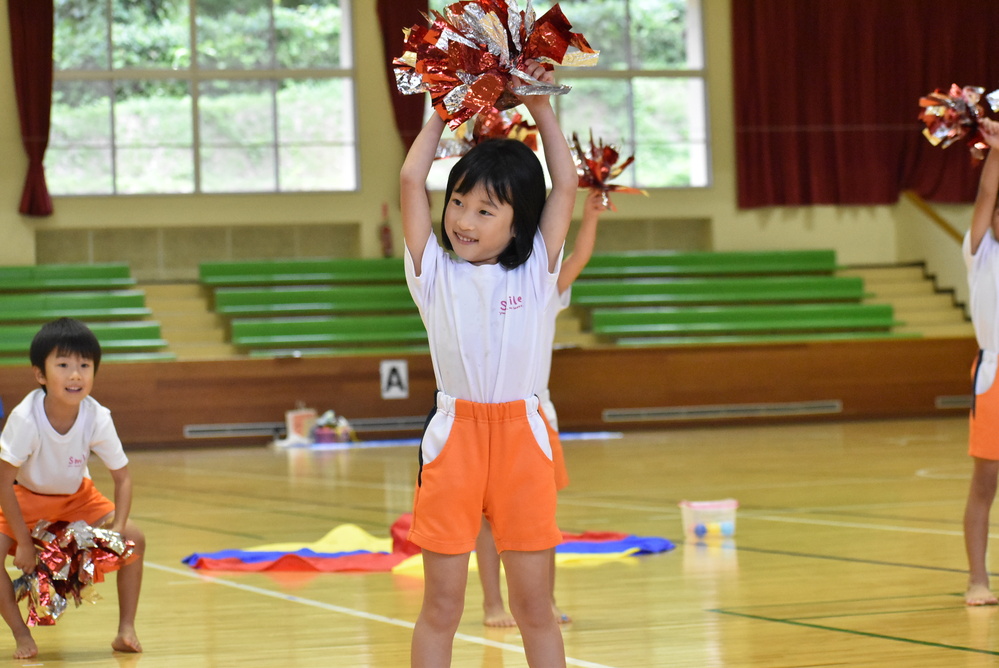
(866, 634)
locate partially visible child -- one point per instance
(487, 559)
(981, 255)
(44, 448)
(485, 448)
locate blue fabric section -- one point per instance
(253, 556)
(645, 545)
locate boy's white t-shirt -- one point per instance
(486, 324)
(983, 285)
(52, 463)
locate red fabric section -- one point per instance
(593, 536)
(826, 97)
(31, 26)
(400, 536)
(393, 17)
(362, 563)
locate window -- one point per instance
(646, 95)
(202, 96)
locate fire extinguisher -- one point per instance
(385, 233)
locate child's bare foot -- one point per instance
(979, 594)
(560, 616)
(126, 641)
(25, 647)
(498, 619)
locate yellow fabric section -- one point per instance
(344, 538)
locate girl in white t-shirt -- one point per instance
(981, 255)
(485, 450)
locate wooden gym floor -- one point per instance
(848, 552)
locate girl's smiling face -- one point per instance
(68, 378)
(478, 225)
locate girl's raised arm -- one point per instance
(983, 216)
(416, 224)
(586, 240)
(557, 214)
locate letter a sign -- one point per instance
(395, 379)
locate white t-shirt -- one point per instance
(486, 324)
(983, 285)
(52, 463)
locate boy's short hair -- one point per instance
(66, 336)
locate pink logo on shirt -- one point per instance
(510, 303)
(76, 462)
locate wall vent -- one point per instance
(723, 411)
(277, 429)
(268, 429)
(953, 401)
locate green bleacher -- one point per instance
(83, 304)
(49, 277)
(301, 272)
(354, 306)
(763, 322)
(375, 333)
(708, 263)
(120, 341)
(699, 298)
(690, 291)
(313, 300)
(101, 295)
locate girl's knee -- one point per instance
(984, 488)
(535, 611)
(443, 612)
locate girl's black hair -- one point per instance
(512, 173)
(66, 336)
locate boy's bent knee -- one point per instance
(134, 534)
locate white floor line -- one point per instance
(351, 612)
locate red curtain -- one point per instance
(826, 97)
(393, 16)
(31, 25)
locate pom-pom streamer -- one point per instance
(72, 556)
(467, 57)
(955, 115)
(489, 124)
(598, 165)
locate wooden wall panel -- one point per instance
(153, 402)
(871, 379)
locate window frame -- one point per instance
(194, 76)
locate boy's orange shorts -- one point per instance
(86, 504)
(983, 428)
(485, 459)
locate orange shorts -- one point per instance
(85, 504)
(485, 459)
(983, 427)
